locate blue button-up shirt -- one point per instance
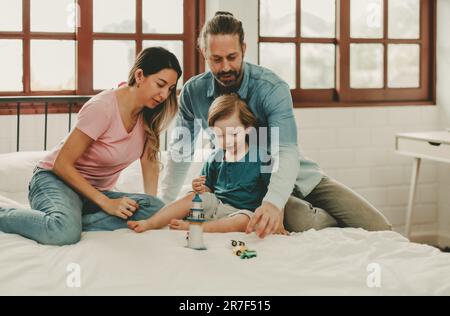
(269, 98)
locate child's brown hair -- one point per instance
(226, 105)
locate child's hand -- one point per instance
(138, 226)
(198, 184)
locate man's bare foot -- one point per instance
(138, 226)
(179, 224)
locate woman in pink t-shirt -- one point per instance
(71, 188)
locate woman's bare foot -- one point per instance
(179, 224)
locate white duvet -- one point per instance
(331, 261)
(327, 262)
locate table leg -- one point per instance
(412, 194)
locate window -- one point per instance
(79, 47)
(38, 52)
(351, 52)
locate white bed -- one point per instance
(331, 261)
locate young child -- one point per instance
(232, 182)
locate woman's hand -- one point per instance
(198, 184)
(123, 207)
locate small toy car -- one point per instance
(248, 254)
(234, 243)
(238, 250)
(241, 250)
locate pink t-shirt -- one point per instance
(113, 148)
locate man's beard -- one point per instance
(232, 82)
(228, 78)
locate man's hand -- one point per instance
(267, 217)
(281, 230)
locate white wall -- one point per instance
(356, 146)
(443, 100)
(247, 12)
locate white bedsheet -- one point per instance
(331, 261)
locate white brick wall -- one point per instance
(356, 146)
(443, 100)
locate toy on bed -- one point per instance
(196, 219)
(241, 250)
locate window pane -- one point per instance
(366, 65)
(317, 66)
(52, 71)
(115, 16)
(404, 18)
(277, 18)
(280, 58)
(112, 62)
(175, 47)
(52, 15)
(318, 18)
(403, 66)
(10, 15)
(366, 18)
(155, 16)
(11, 65)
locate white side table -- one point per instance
(429, 145)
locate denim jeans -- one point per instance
(58, 214)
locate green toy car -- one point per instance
(248, 254)
(241, 250)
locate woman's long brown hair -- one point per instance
(152, 60)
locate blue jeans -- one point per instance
(58, 214)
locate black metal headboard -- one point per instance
(47, 105)
(71, 102)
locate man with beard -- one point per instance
(310, 199)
